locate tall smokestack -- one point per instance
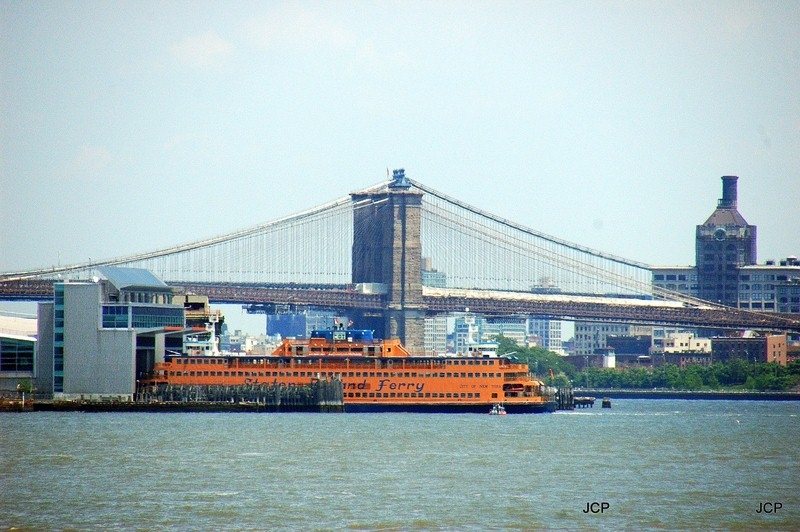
(728, 200)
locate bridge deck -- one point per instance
(493, 303)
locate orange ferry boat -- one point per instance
(377, 375)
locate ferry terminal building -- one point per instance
(96, 339)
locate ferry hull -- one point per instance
(451, 408)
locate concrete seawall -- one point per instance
(693, 395)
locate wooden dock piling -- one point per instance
(565, 399)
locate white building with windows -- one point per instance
(684, 343)
(471, 330)
(771, 287)
(435, 327)
(550, 333)
(97, 338)
(592, 336)
(681, 280)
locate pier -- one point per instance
(319, 396)
(584, 402)
(567, 400)
(23, 404)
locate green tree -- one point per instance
(541, 361)
(710, 380)
(691, 378)
(735, 374)
(559, 381)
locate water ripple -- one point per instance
(657, 464)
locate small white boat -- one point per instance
(497, 410)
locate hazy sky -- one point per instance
(131, 126)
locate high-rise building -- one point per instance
(723, 244)
(470, 330)
(550, 333)
(591, 336)
(436, 326)
(435, 335)
(727, 270)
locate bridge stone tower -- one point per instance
(387, 250)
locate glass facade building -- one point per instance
(16, 354)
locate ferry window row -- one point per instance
(355, 363)
(362, 361)
(334, 374)
(409, 395)
(410, 374)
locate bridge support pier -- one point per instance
(409, 326)
(387, 249)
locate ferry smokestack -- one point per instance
(728, 200)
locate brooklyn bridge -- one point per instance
(396, 252)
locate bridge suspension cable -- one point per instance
(282, 247)
(480, 250)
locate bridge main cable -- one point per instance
(28, 274)
(528, 230)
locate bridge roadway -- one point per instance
(486, 302)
